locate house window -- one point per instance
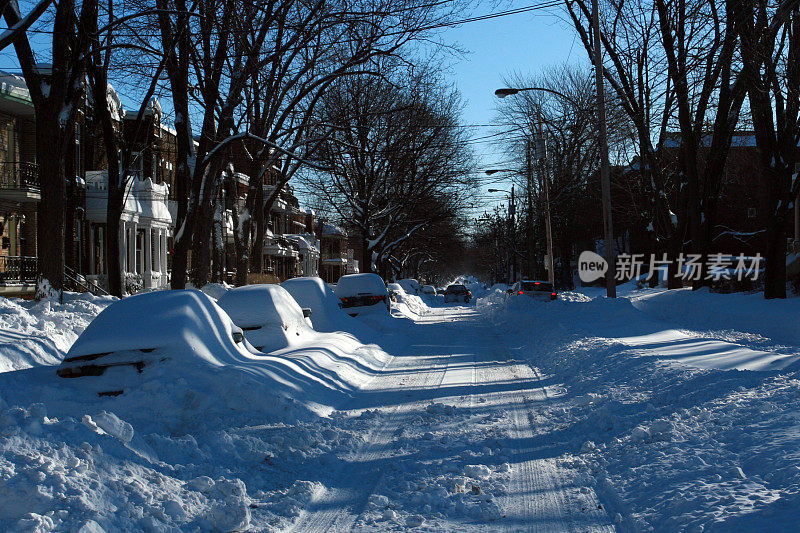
(170, 246)
(154, 167)
(136, 167)
(139, 251)
(751, 212)
(99, 250)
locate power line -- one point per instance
(488, 16)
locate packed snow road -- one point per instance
(454, 441)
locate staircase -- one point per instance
(77, 283)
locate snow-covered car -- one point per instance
(429, 290)
(268, 315)
(362, 293)
(457, 293)
(540, 290)
(410, 285)
(395, 290)
(316, 295)
(136, 332)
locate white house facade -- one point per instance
(144, 231)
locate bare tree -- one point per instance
(303, 59)
(771, 57)
(55, 92)
(396, 146)
(697, 41)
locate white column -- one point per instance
(132, 247)
(123, 246)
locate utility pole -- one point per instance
(541, 156)
(512, 238)
(531, 242)
(605, 178)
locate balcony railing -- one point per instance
(17, 270)
(19, 175)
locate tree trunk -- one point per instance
(366, 255)
(201, 246)
(253, 204)
(201, 243)
(775, 258)
(50, 229)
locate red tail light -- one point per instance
(521, 292)
(553, 294)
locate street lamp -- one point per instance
(605, 180)
(511, 235)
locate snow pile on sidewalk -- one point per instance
(40, 333)
(751, 313)
(494, 296)
(411, 305)
(677, 437)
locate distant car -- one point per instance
(180, 325)
(268, 315)
(362, 293)
(429, 289)
(542, 290)
(457, 293)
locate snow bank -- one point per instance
(40, 333)
(494, 296)
(411, 305)
(676, 436)
(201, 439)
(751, 313)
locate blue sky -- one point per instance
(525, 44)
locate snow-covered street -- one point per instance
(583, 414)
(448, 417)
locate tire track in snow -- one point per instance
(339, 508)
(541, 494)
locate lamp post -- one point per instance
(605, 179)
(512, 263)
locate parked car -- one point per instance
(457, 293)
(429, 289)
(326, 309)
(395, 290)
(542, 290)
(268, 315)
(182, 326)
(362, 293)
(411, 286)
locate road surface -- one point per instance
(453, 438)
